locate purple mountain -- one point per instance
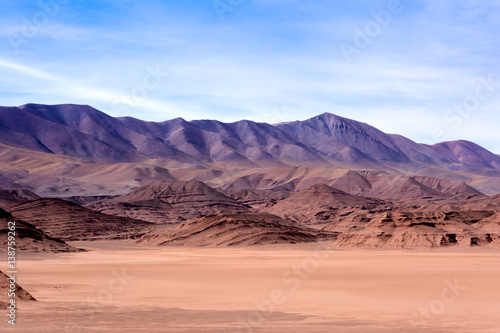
(327, 140)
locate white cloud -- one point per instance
(70, 90)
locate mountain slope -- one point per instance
(82, 131)
(29, 238)
(21, 294)
(9, 196)
(77, 135)
(69, 221)
(168, 202)
(319, 204)
(467, 154)
(418, 230)
(235, 229)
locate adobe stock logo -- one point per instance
(101, 300)
(292, 280)
(31, 28)
(363, 37)
(449, 294)
(225, 6)
(456, 116)
(151, 81)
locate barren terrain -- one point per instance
(204, 226)
(122, 287)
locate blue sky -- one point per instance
(426, 69)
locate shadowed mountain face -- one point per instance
(29, 238)
(167, 201)
(69, 221)
(9, 196)
(76, 150)
(235, 229)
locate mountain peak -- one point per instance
(328, 115)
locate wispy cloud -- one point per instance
(69, 90)
(266, 57)
(25, 70)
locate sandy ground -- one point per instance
(120, 287)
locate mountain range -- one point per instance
(70, 150)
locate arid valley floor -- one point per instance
(119, 286)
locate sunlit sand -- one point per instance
(121, 287)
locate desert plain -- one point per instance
(120, 286)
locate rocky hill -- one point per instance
(235, 229)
